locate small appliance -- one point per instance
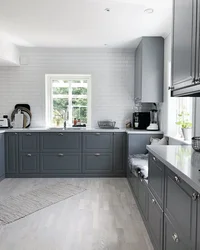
(4, 122)
(154, 120)
(141, 120)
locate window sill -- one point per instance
(179, 140)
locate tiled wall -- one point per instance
(112, 81)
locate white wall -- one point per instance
(112, 81)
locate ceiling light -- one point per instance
(149, 11)
(107, 9)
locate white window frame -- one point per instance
(49, 97)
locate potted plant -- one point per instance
(185, 124)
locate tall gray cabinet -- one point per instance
(2, 157)
(149, 68)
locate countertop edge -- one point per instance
(185, 178)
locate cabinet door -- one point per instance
(138, 73)
(97, 142)
(156, 178)
(181, 206)
(198, 226)
(155, 222)
(11, 153)
(2, 156)
(29, 163)
(183, 43)
(97, 163)
(172, 240)
(29, 142)
(60, 142)
(119, 152)
(143, 197)
(60, 163)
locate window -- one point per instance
(67, 97)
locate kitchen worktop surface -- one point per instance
(182, 160)
(128, 131)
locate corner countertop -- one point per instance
(128, 131)
(182, 160)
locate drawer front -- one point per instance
(143, 197)
(97, 163)
(60, 163)
(119, 152)
(60, 142)
(12, 153)
(97, 142)
(155, 222)
(156, 179)
(29, 142)
(181, 206)
(28, 163)
(172, 239)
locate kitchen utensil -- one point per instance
(106, 124)
(196, 143)
(26, 113)
(19, 119)
(4, 123)
(154, 119)
(18, 106)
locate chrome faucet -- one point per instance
(65, 125)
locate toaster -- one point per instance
(4, 123)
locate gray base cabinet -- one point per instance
(29, 163)
(143, 197)
(2, 156)
(12, 155)
(198, 226)
(119, 151)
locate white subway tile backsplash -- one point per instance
(112, 81)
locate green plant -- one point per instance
(183, 120)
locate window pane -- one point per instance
(75, 81)
(80, 113)
(79, 91)
(60, 91)
(79, 102)
(59, 109)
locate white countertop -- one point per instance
(128, 131)
(182, 160)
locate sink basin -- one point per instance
(62, 129)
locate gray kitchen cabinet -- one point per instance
(155, 222)
(198, 226)
(143, 196)
(156, 178)
(60, 142)
(60, 163)
(119, 152)
(2, 156)
(97, 142)
(181, 207)
(172, 239)
(29, 142)
(185, 49)
(12, 153)
(97, 163)
(28, 163)
(149, 68)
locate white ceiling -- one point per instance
(83, 23)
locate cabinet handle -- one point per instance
(29, 155)
(97, 133)
(195, 196)
(154, 158)
(28, 134)
(97, 154)
(61, 134)
(15, 133)
(176, 179)
(175, 237)
(60, 154)
(153, 201)
(171, 88)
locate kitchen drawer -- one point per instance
(143, 196)
(172, 238)
(155, 222)
(156, 178)
(29, 163)
(100, 163)
(181, 206)
(97, 142)
(60, 142)
(28, 142)
(60, 163)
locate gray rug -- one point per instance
(16, 207)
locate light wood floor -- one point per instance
(104, 217)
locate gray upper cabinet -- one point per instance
(2, 156)
(149, 68)
(60, 142)
(181, 207)
(12, 153)
(119, 152)
(185, 49)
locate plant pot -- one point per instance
(187, 133)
